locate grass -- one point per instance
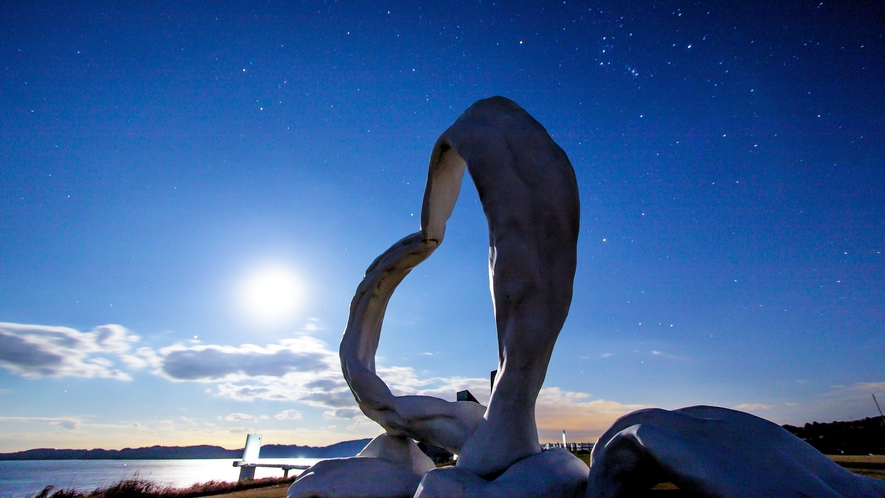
(142, 488)
(273, 491)
(865, 465)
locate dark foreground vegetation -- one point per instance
(857, 437)
(141, 488)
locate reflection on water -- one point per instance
(24, 479)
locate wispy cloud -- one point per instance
(189, 421)
(67, 423)
(288, 415)
(582, 417)
(856, 390)
(753, 406)
(312, 325)
(141, 358)
(665, 355)
(404, 381)
(48, 351)
(872, 387)
(239, 417)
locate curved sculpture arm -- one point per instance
(529, 195)
(425, 418)
(530, 198)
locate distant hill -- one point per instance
(342, 449)
(857, 437)
(150, 453)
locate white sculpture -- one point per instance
(530, 198)
(389, 466)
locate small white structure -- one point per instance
(250, 455)
(251, 460)
(253, 447)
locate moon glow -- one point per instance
(270, 295)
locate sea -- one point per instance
(26, 478)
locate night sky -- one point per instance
(190, 193)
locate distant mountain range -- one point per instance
(342, 449)
(858, 437)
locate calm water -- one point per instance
(24, 479)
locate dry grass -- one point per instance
(865, 465)
(274, 491)
(141, 488)
(847, 460)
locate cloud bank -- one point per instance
(302, 370)
(209, 363)
(47, 351)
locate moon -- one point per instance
(270, 295)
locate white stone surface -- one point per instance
(398, 450)
(529, 194)
(355, 478)
(553, 473)
(424, 418)
(715, 452)
(389, 466)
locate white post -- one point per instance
(563, 438)
(253, 447)
(250, 454)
